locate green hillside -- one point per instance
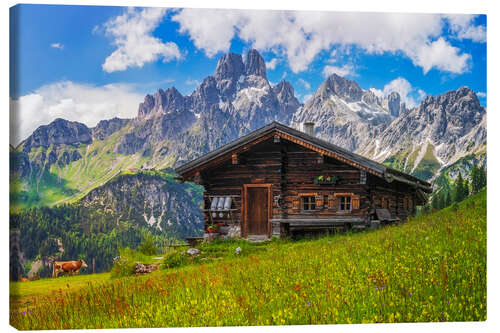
(65, 182)
(432, 268)
(405, 160)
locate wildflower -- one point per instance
(409, 294)
(308, 303)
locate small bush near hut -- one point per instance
(124, 264)
(148, 246)
(176, 259)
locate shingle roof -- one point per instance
(371, 166)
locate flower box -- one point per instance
(325, 180)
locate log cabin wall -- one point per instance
(302, 168)
(291, 169)
(399, 199)
(260, 165)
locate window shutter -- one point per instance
(319, 202)
(332, 202)
(355, 201)
(296, 204)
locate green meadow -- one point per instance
(432, 268)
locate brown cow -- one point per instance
(71, 267)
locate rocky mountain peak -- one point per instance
(462, 102)
(58, 132)
(370, 98)
(205, 95)
(163, 101)
(169, 100)
(394, 104)
(342, 87)
(146, 106)
(284, 90)
(229, 66)
(105, 128)
(254, 64)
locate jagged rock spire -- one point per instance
(254, 64)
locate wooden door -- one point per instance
(257, 210)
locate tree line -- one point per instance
(72, 232)
(458, 191)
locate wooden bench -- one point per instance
(384, 216)
(193, 241)
(285, 226)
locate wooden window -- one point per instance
(308, 203)
(345, 203)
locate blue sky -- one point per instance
(89, 63)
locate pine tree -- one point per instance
(459, 188)
(475, 179)
(482, 177)
(478, 178)
(435, 202)
(447, 201)
(441, 200)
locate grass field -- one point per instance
(432, 268)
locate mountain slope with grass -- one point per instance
(432, 268)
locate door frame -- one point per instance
(244, 230)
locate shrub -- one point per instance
(124, 265)
(148, 246)
(176, 259)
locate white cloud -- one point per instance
(306, 84)
(72, 101)
(272, 64)
(409, 95)
(481, 94)
(57, 46)
(441, 55)
(341, 71)
(132, 35)
(210, 29)
(301, 35)
(462, 26)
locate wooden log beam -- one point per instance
(326, 152)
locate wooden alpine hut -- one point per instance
(278, 180)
